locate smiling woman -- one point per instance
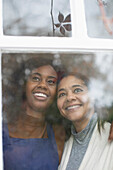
(30, 142)
(86, 145)
(41, 88)
(23, 77)
(73, 100)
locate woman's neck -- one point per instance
(28, 127)
(32, 121)
(34, 113)
(81, 124)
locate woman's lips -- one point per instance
(73, 106)
(40, 96)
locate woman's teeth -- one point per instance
(72, 107)
(40, 95)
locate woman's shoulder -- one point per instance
(104, 130)
(102, 135)
(59, 130)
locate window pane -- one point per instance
(99, 18)
(20, 151)
(37, 18)
(98, 66)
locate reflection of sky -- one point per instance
(102, 87)
(102, 97)
(104, 61)
(32, 16)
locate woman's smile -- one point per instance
(73, 107)
(40, 96)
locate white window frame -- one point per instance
(79, 41)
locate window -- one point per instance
(37, 18)
(99, 18)
(69, 32)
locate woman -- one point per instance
(30, 142)
(86, 148)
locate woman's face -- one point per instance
(72, 99)
(41, 88)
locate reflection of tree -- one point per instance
(32, 18)
(107, 22)
(52, 17)
(64, 23)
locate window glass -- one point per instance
(99, 18)
(37, 18)
(97, 66)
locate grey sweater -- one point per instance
(80, 144)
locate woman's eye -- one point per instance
(61, 95)
(35, 78)
(77, 90)
(51, 82)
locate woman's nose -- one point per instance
(42, 84)
(71, 96)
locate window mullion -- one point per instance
(79, 30)
(1, 19)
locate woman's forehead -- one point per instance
(47, 70)
(71, 80)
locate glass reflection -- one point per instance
(37, 18)
(99, 18)
(97, 66)
(17, 96)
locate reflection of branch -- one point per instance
(52, 17)
(107, 22)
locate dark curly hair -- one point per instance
(14, 92)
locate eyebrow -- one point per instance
(77, 85)
(36, 74)
(62, 89)
(52, 77)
